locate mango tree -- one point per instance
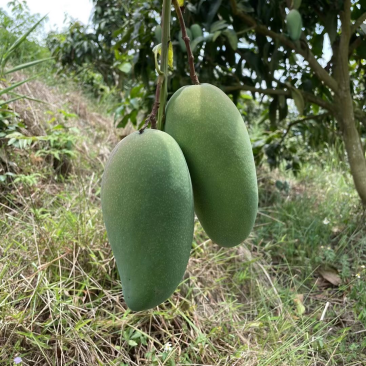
(337, 87)
(244, 45)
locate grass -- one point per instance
(294, 294)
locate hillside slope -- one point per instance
(294, 294)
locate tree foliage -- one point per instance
(245, 47)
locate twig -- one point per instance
(300, 121)
(358, 23)
(323, 75)
(152, 116)
(186, 40)
(324, 311)
(308, 96)
(160, 97)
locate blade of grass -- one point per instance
(11, 87)
(18, 42)
(28, 64)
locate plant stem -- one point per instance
(165, 39)
(186, 40)
(152, 116)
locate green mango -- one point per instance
(296, 4)
(196, 31)
(181, 42)
(148, 210)
(212, 135)
(294, 24)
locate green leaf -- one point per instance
(215, 5)
(125, 68)
(216, 35)
(133, 117)
(10, 101)
(298, 99)
(192, 8)
(19, 41)
(136, 335)
(246, 96)
(196, 42)
(29, 98)
(29, 64)
(11, 87)
(220, 24)
(232, 37)
(2, 178)
(124, 121)
(132, 343)
(135, 103)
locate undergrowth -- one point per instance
(294, 294)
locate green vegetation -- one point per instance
(247, 47)
(215, 142)
(181, 41)
(147, 203)
(196, 31)
(293, 294)
(60, 295)
(294, 24)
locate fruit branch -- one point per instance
(318, 116)
(152, 116)
(305, 52)
(165, 39)
(186, 40)
(358, 23)
(308, 96)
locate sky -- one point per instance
(56, 9)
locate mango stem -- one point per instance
(165, 39)
(186, 40)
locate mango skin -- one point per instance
(212, 135)
(148, 210)
(196, 31)
(294, 24)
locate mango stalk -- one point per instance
(186, 40)
(165, 40)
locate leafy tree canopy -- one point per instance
(244, 46)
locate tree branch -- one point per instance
(186, 40)
(361, 116)
(253, 89)
(308, 96)
(318, 116)
(343, 58)
(358, 22)
(357, 42)
(306, 53)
